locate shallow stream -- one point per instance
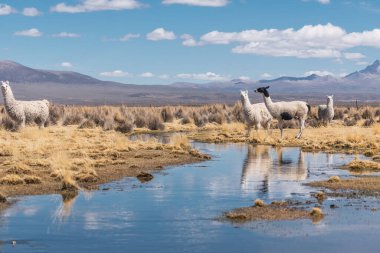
(177, 211)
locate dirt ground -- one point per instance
(273, 212)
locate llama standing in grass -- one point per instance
(326, 112)
(286, 110)
(24, 111)
(256, 115)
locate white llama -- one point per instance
(256, 115)
(24, 111)
(286, 110)
(326, 112)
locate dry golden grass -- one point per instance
(363, 165)
(68, 158)
(365, 185)
(32, 180)
(11, 180)
(259, 203)
(337, 138)
(333, 179)
(316, 212)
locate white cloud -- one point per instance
(324, 1)
(244, 78)
(160, 34)
(66, 64)
(354, 56)
(31, 12)
(208, 76)
(6, 10)
(97, 5)
(362, 63)
(164, 76)
(189, 41)
(115, 73)
(33, 32)
(66, 35)
(310, 41)
(203, 3)
(319, 73)
(147, 74)
(129, 36)
(266, 75)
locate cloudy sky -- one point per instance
(165, 41)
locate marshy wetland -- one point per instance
(100, 179)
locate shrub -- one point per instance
(89, 123)
(369, 122)
(216, 117)
(167, 115)
(140, 122)
(124, 127)
(72, 119)
(154, 123)
(367, 114)
(185, 120)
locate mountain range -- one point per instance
(67, 87)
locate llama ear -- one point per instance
(267, 87)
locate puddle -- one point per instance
(176, 211)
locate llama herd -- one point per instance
(261, 114)
(258, 115)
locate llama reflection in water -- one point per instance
(270, 171)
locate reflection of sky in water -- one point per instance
(175, 212)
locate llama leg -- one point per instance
(249, 131)
(280, 127)
(22, 124)
(268, 127)
(302, 127)
(257, 127)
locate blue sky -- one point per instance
(165, 41)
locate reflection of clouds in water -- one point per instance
(27, 211)
(107, 220)
(30, 211)
(270, 171)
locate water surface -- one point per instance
(176, 211)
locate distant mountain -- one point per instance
(67, 87)
(18, 73)
(370, 72)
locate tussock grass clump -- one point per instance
(155, 123)
(19, 169)
(32, 180)
(68, 183)
(88, 123)
(320, 196)
(167, 115)
(316, 212)
(11, 180)
(6, 151)
(180, 141)
(259, 203)
(360, 165)
(3, 199)
(334, 179)
(144, 177)
(124, 127)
